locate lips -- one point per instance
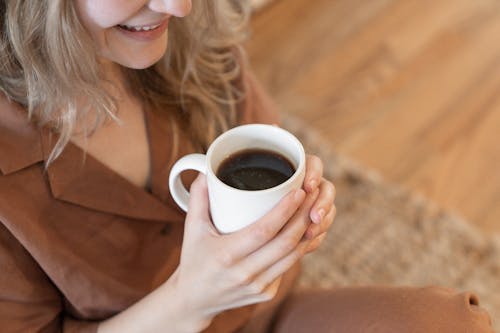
(139, 28)
(145, 32)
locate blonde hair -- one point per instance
(48, 61)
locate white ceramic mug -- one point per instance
(232, 209)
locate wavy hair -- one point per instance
(48, 62)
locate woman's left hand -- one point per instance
(323, 210)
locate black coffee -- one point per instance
(255, 169)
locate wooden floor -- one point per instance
(410, 88)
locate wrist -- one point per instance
(163, 310)
(188, 318)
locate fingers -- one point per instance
(284, 243)
(263, 291)
(315, 243)
(316, 229)
(324, 202)
(283, 265)
(198, 207)
(262, 231)
(314, 173)
(257, 293)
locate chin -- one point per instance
(142, 60)
(142, 63)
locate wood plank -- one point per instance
(408, 87)
(421, 91)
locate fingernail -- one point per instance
(299, 195)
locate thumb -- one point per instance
(198, 207)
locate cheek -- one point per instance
(99, 17)
(107, 13)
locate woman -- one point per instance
(97, 105)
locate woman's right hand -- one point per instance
(220, 272)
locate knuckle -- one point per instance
(288, 244)
(255, 288)
(298, 254)
(226, 259)
(197, 184)
(262, 234)
(315, 159)
(328, 188)
(242, 279)
(283, 213)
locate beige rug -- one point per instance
(386, 235)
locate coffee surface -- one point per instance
(255, 169)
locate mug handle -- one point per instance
(189, 162)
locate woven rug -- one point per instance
(386, 235)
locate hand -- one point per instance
(219, 272)
(323, 211)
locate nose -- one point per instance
(179, 8)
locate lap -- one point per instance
(382, 309)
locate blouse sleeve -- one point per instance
(29, 302)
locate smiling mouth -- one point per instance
(139, 28)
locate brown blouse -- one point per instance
(79, 243)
